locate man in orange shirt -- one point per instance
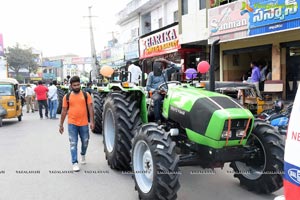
(77, 120)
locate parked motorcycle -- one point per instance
(278, 117)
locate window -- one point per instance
(220, 2)
(175, 16)
(184, 7)
(202, 4)
(6, 90)
(160, 23)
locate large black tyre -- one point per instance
(121, 116)
(60, 96)
(1, 122)
(263, 173)
(155, 164)
(98, 99)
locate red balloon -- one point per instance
(203, 67)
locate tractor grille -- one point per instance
(236, 125)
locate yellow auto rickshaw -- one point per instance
(10, 101)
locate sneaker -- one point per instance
(27, 112)
(76, 167)
(33, 111)
(83, 161)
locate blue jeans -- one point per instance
(157, 101)
(52, 108)
(83, 132)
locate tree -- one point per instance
(21, 58)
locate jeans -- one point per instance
(52, 108)
(43, 103)
(83, 132)
(157, 101)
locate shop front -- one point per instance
(259, 31)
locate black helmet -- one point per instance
(278, 105)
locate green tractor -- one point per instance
(200, 128)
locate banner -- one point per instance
(1, 45)
(291, 157)
(269, 16)
(162, 42)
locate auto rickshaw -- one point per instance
(10, 101)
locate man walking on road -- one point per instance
(29, 95)
(41, 96)
(78, 106)
(52, 99)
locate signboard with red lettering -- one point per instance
(162, 42)
(291, 155)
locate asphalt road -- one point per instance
(35, 165)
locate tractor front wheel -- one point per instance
(263, 172)
(155, 164)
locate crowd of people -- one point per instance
(39, 97)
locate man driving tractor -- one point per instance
(157, 77)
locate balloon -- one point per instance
(190, 73)
(203, 67)
(106, 71)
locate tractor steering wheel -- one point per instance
(160, 87)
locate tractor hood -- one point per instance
(196, 109)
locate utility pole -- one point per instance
(93, 50)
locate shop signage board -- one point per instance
(1, 45)
(159, 43)
(273, 15)
(227, 22)
(131, 50)
(243, 18)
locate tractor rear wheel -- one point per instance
(262, 173)
(99, 99)
(60, 96)
(155, 164)
(121, 116)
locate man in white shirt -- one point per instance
(52, 100)
(29, 95)
(135, 71)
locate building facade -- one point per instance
(262, 31)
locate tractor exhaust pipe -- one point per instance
(212, 66)
(144, 65)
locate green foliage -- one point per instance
(18, 58)
(20, 78)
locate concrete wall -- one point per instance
(126, 30)
(194, 24)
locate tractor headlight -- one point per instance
(127, 85)
(10, 103)
(226, 134)
(240, 133)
